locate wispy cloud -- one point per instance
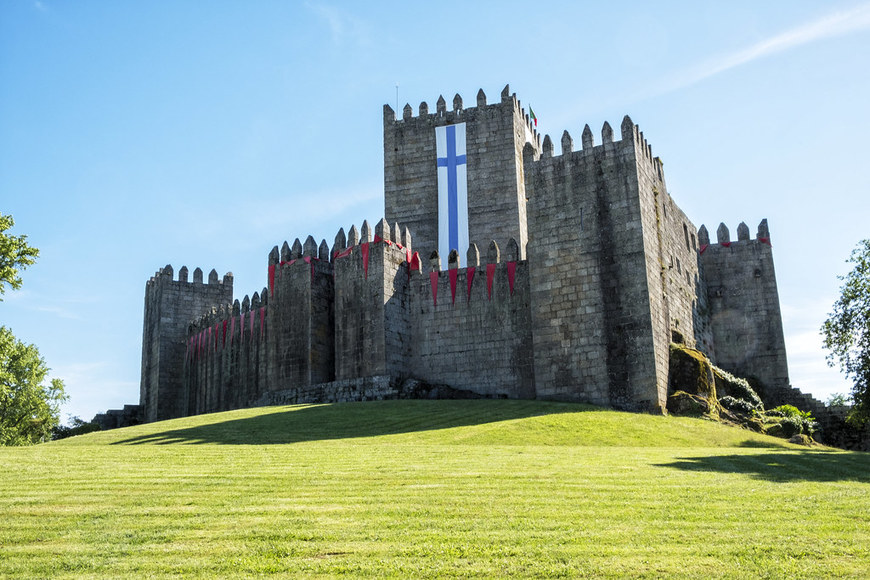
(344, 26)
(836, 24)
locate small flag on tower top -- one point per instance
(532, 115)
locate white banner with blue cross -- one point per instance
(452, 192)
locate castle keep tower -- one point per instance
(458, 173)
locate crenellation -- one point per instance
(492, 253)
(296, 250)
(481, 98)
(365, 233)
(703, 236)
(213, 276)
(285, 255)
(587, 138)
(742, 232)
(182, 274)
(309, 249)
(352, 237)
(340, 243)
(723, 236)
(547, 151)
(567, 143)
(441, 106)
(606, 133)
(457, 103)
(434, 261)
(472, 256)
(323, 251)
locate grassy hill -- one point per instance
(429, 488)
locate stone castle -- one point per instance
(500, 270)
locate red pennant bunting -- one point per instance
(272, 279)
(262, 320)
(490, 274)
(765, 241)
(415, 261)
(433, 281)
(512, 270)
(453, 274)
(471, 270)
(703, 247)
(364, 248)
(726, 244)
(342, 254)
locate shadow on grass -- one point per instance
(785, 466)
(352, 420)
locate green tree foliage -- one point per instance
(846, 332)
(29, 403)
(15, 255)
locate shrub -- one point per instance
(729, 385)
(791, 426)
(736, 405)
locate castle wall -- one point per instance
(226, 357)
(590, 289)
(480, 340)
(495, 136)
(744, 311)
(169, 306)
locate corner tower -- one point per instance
(457, 175)
(170, 306)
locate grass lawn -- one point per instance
(433, 488)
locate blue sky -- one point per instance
(139, 134)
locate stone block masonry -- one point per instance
(587, 270)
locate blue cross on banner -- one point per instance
(452, 191)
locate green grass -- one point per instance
(433, 488)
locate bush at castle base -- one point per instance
(727, 385)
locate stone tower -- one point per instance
(482, 147)
(170, 306)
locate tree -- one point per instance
(846, 332)
(29, 406)
(15, 255)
